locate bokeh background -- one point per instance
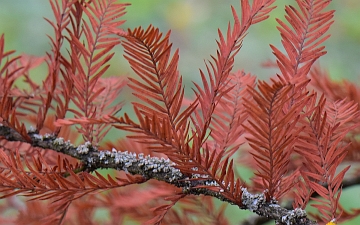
(194, 25)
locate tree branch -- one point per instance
(160, 169)
(259, 220)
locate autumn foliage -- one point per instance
(297, 131)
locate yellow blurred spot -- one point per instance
(331, 223)
(179, 14)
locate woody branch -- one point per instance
(157, 168)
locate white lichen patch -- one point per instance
(32, 129)
(90, 160)
(59, 141)
(292, 214)
(83, 149)
(212, 183)
(47, 135)
(38, 137)
(127, 160)
(251, 201)
(102, 155)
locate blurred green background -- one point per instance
(194, 25)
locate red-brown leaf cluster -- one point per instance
(300, 128)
